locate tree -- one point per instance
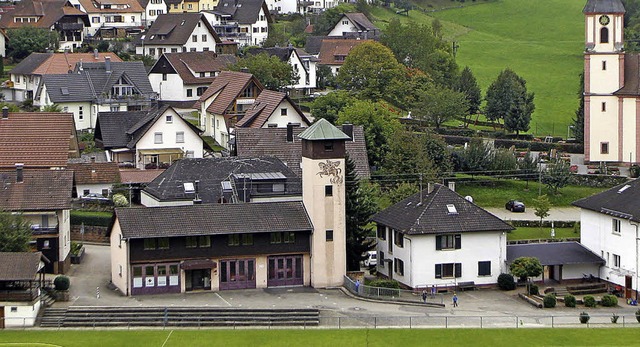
(526, 267)
(328, 106)
(556, 176)
(26, 40)
(379, 121)
(507, 99)
(503, 160)
(578, 122)
(324, 77)
(542, 205)
(440, 104)
(272, 72)
(369, 70)
(476, 156)
(416, 153)
(52, 108)
(15, 233)
(402, 191)
(528, 167)
(468, 85)
(359, 208)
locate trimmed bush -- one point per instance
(549, 301)
(61, 283)
(609, 301)
(570, 300)
(584, 318)
(506, 282)
(100, 219)
(534, 290)
(589, 301)
(384, 284)
(120, 200)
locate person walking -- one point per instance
(433, 291)
(424, 296)
(455, 300)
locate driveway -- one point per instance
(555, 214)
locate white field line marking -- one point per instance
(167, 339)
(28, 344)
(225, 301)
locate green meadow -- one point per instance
(542, 41)
(322, 337)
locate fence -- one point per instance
(390, 294)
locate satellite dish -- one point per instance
(468, 198)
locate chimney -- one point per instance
(93, 158)
(429, 188)
(196, 199)
(452, 186)
(5, 112)
(19, 174)
(289, 132)
(95, 54)
(107, 64)
(245, 70)
(348, 130)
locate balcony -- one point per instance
(36, 229)
(69, 26)
(19, 290)
(136, 99)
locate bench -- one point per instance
(466, 285)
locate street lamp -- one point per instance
(569, 131)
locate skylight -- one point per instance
(189, 188)
(624, 188)
(451, 208)
(64, 90)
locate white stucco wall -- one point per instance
(171, 89)
(119, 261)
(64, 234)
(282, 121)
(93, 188)
(149, 201)
(343, 25)
(130, 19)
(576, 271)
(24, 315)
(604, 127)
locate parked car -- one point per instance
(95, 197)
(372, 259)
(515, 206)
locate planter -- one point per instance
(584, 318)
(77, 257)
(638, 317)
(61, 295)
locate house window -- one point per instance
(191, 242)
(168, 118)
(95, 20)
(604, 107)
(283, 111)
(398, 239)
(604, 147)
(149, 244)
(328, 146)
(233, 240)
(604, 35)
(200, 90)
(616, 260)
(163, 243)
(152, 52)
(289, 237)
(275, 238)
(449, 270)
(247, 239)
(114, 108)
(329, 235)
(398, 266)
(328, 190)
(174, 50)
(189, 93)
(194, 38)
(263, 29)
(604, 65)
(190, 6)
(615, 226)
(192, 49)
(381, 230)
(157, 138)
(202, 74)
(152, 12)
(204, 241)
(105, 192)
(164, 76)
(452, 241)
(204, 38)
(255, 30)
(484, 268)
(381, 259)
(80, 113)
(85, 192)
(205, 49)
(180, 137)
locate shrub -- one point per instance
(75, 247)
(570, 300)
(61, 283)
(120, 200)
(584, 318)
(549, 301)
(589, 301)
(506, 282)
(101, 219)
(385, 284)
(614, 318)
(534, 290)
(609, 301)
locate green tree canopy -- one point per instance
(26, 40)
(416, 153)
(526, 267)
(359, 208)
(578, 122)
(507, 99)
(328, 106)
(542, 205)
(15, 233)
(369, 70)
(556, 176)
(380, 122)
(272, 72)
(468, 85)
(440, 104)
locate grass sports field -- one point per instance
(542, 41)
(335, 338)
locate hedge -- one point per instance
(533, 145)
(100, 219)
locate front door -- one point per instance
(628, 287)
(285, 271)
(198, 279)
(237, 274)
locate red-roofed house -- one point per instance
(333, 52)
(273, 110)
(95, 177)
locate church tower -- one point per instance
(323, 195)
(604, 62)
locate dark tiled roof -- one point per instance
(40, 190)
(111, 127)
(186, 62)
(603, 6)
(103, 81)
(230, 84)
(361, 21)
(282, 53)
(49, 12)
(331, 48)
(177, 29)
(314, 43)
(264, 106)
(19, 266)
(37, 139)
(256, 142)
(169, 185)
(67, 88)
(631, 75)
(554, 253)
(620, 201)
(96, 173)
(212, 219)
(432, 216)
(244, 11)
(30, 63)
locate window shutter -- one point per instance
(438, 270)
(438, 242)
(458, 270)
(458, 241)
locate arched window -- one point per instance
(604, 35)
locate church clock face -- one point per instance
(604, 20)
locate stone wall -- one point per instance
(91, 234)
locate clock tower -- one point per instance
(604, 62)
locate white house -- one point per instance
(273, 110)
(437, 237)
(152, 9)
(355, 25)
(181, 32)
(113, 19)
(94, 177)
(22, 279)
(284, 6)
(147, 139)
(609, 227)
(242, 21)
(303, 63)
